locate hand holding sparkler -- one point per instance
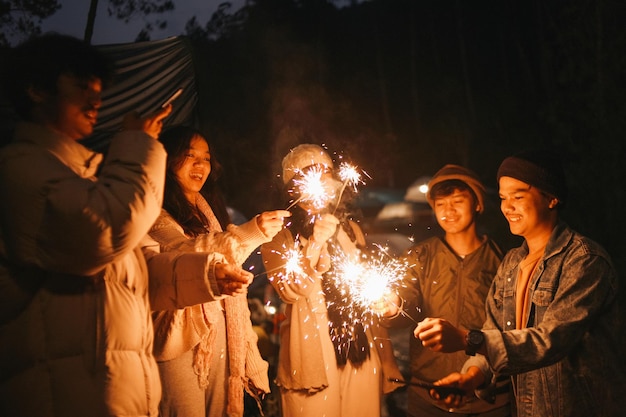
(439, 335)
(271, 222)
(324, 228)
(232, 280)
(388, 305)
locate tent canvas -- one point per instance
(145, 75)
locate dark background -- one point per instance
(402, 87)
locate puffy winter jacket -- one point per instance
(75, 327)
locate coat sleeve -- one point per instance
(62, 222)
(236, 243)
(256, 367)
(175, 281)
(571, 313)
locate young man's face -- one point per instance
(73, 110)
(455, 212)
(526, 208)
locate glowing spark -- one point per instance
(349, 175)
(290, 271)
(292, 262)
(312, 188)
(369, 279)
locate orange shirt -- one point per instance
(526, 270)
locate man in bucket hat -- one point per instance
(553, 323)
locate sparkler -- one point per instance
(349, 175)
(291, 269)
(383, 251)
(311, 188)
(367, 279)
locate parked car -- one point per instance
(396, 218)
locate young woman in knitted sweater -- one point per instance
(207, 354)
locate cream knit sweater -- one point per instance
(178, 331)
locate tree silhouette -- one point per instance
(22, 19)
(405, 86)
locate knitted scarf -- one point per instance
(236, 315)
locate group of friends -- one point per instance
(122, 291)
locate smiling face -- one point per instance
(531, 213)
(455, 212)
(73, 109)
(194, 168)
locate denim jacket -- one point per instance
(568, 361)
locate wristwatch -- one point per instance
(474, 340)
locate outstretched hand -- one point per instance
(271, 222)
(151, 124)
(232, 280)
(439, 335)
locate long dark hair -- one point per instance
(176, 141)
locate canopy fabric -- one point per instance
(146, 74)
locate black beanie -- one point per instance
(539, 168)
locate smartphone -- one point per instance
(443, 391)
(172, 98)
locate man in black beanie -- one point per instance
(553, 322)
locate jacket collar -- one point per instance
(84, 162)
(560, 237)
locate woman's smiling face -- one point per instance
(194, 168)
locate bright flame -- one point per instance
(292, 262)
(349, 175)
(369, 279)
(312, 188)
(291, 270)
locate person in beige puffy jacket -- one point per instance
(75, 328)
